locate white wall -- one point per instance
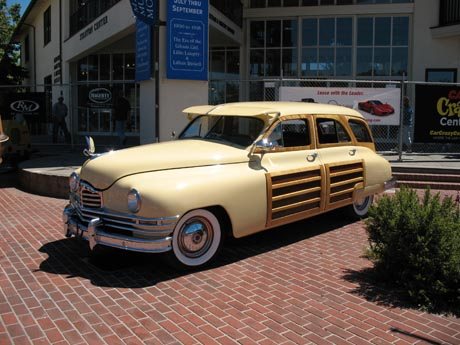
(45, 54)
(120, 22)
(430, 52)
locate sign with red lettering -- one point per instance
(379, 106)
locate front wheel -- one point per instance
(197, 239)
(359, 209)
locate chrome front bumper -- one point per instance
(95, 231)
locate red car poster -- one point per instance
(379, 106)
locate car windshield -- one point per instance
(376, 102)
(238, 130)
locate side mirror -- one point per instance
(90, 147)
(263, 146)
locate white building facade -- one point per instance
(76, 48)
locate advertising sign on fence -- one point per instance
(437, 114)
(187, 40)
(26, 105)
(380, 106)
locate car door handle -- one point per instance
(352, 152)
(312, 157)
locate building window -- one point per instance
(224, 75)
(26, 49)
(47, 26)
(83, 12)
(290, 3)
(327, 47)
(106, 74)
(382, 46)
(273, 48)
(441, 75)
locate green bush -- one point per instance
(416, 244)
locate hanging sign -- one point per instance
(143, 51)
(145, 10)
(187, 56)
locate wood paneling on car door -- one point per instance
(343, 179)
(294, 194)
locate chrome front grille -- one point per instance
(90, 198)
(131, 225)
(88, 204)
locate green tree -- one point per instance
(10, 70)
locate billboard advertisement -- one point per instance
(379, 106)
(437, 114)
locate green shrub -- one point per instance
(416, 244)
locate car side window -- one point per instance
(290, 133)
(360, 131)
(331, 131)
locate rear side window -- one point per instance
(331, 131)
(360, 131)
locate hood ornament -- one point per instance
(90, 149)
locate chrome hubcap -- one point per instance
(362, 206)
(195, 237)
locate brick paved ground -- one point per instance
(305, 283)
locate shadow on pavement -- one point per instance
(376, 290)
(8, 177)
(117, 268)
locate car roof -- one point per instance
(270, 109)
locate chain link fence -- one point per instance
(90, 107)
(387, 126)
(28, 108)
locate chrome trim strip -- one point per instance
(95, 234)
(137, 220)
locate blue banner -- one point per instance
(145, 10)
(187, 25)
(143, 51)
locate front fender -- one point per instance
(238, 188)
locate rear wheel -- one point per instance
(197, 239)
(360, 209)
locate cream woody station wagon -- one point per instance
(236, 169)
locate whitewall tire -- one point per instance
(197, 238)
(360, 209)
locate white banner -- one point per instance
(379, 106)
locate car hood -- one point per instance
(103, 171)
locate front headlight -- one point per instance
(134, 201)
(74, 181)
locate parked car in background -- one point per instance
(3, 139)
(235, 170)
(376, 107)
(19, 145)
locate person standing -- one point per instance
(408, 122)
(59, 112)
(121, 109)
